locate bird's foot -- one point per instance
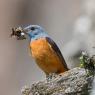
(51, 76)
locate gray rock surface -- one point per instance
(73, 82)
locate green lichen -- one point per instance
(88, 63)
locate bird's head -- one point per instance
(35, 32)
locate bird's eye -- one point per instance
(32, 28)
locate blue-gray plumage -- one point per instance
(45, 51)
(35, 32)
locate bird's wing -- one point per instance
(56, 49)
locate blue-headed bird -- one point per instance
(45, 51)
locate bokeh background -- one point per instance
(69, 22)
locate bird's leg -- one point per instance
(51, 76)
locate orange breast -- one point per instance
(46, 57)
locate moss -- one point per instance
(88, 63)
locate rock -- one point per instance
(73, 82)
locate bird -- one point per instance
(45, 51)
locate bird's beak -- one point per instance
(26, 30)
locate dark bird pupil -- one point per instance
(32, 28)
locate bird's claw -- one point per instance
(51, 76)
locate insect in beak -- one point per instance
(18, 33)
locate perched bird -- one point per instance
(44, 50)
